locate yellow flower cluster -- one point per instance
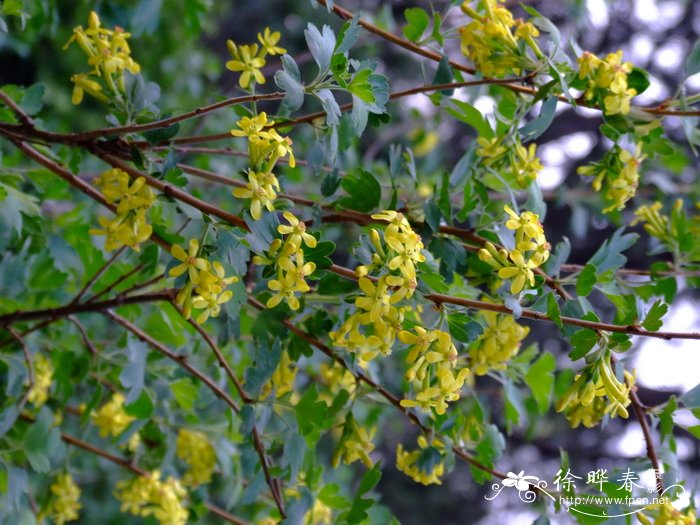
(250, 59)
(43, 376)
(596, 392)
(282, 380)
(207, 280)
(607, 81)
(65, 502)
(492, 40)
(499, 342)
(194, 449)
(149, 496)
(108, 53)
(373, 328)
(409, 462)
(531, 251)
(111, 419)
(265, 147)
(336, 378)
(666, 514)
(515, 161)
(619, 172)
(654, 222)
(355, 444)
(132, 199)
(432, 360)
(287, 258)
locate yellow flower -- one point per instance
(655, 223)
(282, 380)
(666, 514)
(260, 191)
(269, 40)
(588, 400)
(214, 280)
(43, 377)
(82, 84)
(355, 444)
(408, 462)
(108, 53)
(247, 61)
(65, 502)
(194, 448)
(607, 81)
(211, 304)
(149, 496)
(190, 262)
(111, 419)
(521, 273)
(499, 342)
(296, 231)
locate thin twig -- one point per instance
(98, 274)
(84, 335)
(63, 311)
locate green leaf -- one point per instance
(364, 190)
(266, 360)
(638, 79)
(330, 183)
(463, 328)
(142, 408)
(31, 103)
(12, 7)
(418, 20)
(321, 45)
(133, 374)
(157, 136)
(41, 442)
(289, 80)
(533, 129)
(692, 63)
(553, 310)
(311, 415)
(586, 280)
(609, 255)
(185, 393)
(465, 112)
(348, 34)
(652, 321)
(582, 342)
(691, 399)
(540, 379)
(319, 254)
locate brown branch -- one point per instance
(164, 123)
(651, 450)
(573, 268)
(25, 119)
(439, 299)
(64, 311)
(218, 353)
(98, 274)
(116, 283)
(84, 335)
(344, 107)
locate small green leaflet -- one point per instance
(540, 379)
(652, 321)
(418, 21)
(363, 189)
